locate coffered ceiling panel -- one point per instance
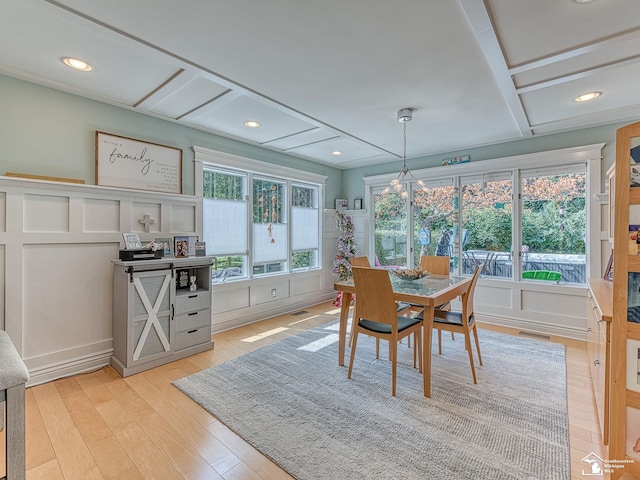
(555, 103)
(230, 116)
(185, 94)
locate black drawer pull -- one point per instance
(192, 331)
(193, 296)
(192, 313)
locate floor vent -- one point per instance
(301, 312)
(537, 335)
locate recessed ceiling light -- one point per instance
(336, 152)
(252, 124)
(584, 1)
(76, 64)
(585, 97)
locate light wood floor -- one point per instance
(99, 425)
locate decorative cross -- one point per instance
(147, 221)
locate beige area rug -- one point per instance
(293, 402)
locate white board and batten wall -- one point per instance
(57, 241)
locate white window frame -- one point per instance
(226, 161)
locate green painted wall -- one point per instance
(48, 132)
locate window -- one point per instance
(304, 231)
(522, 223)
(256, 223)
(270, 229)
(487, 224)
(390, 229)
(224, 202)
(434, 217)
(554, 227)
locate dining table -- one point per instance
(427, 291)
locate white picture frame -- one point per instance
(342, 204)
(633, 365)
(131, 241)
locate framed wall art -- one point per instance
(342, 203)
(357, 204)
(128, 163)
(131, 241)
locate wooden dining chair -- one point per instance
(400, 307)
(376, 316)
(461, 322)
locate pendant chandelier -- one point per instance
(399, 184)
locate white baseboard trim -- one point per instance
(533, 326)
(54, 371)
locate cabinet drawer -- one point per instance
(191, 301)
(187, 321)
(191, 337)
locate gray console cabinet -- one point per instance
(157, 316)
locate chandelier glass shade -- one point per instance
(399, 184)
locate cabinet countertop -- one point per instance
(166, 262)
(603, 295)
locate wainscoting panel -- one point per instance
(76, 285)
(547, 303)
(275, 290)
(101, 215)
(183, 219)
(229, 297)
(305, 283)
(497, 296)
(46, 213)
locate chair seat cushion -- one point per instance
(403, 324)
(446, 317)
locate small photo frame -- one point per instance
(166, 243)
(201, 249)
(357, 204)
(342, 204)
(131, 241)
(633, 365)
(181, 247)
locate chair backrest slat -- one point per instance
(467, 297)
(374, 295)
(438, 265)
(359, 262)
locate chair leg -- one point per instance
(418, 341)
(439, 342)
(467, 342)
(353, 353)
(377, 348)
(453, 337)
(475, 336)
(393, 347)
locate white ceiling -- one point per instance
(330, 75)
